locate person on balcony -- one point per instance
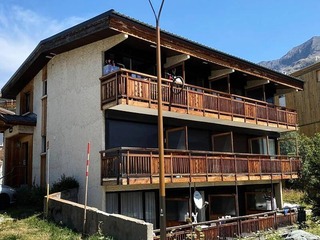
(109, 67)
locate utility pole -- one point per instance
(162, 191)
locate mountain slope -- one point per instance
(297, 58)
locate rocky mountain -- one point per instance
(297, 58)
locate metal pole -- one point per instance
(86, 191)
(161, 145)
(162, 192)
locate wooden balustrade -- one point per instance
(232, 227)
(189, 166)
(141, 90)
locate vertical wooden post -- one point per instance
(48, 184)
(86, 191)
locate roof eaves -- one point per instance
(42, 47)
(305, 70)
(290, 78)
(45, 44)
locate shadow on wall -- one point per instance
(117, 226)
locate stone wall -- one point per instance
(117, 226)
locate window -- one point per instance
(177, 209)
(138, 204)
(44, 80)
(260, 145)
(44, 87)
(259, 201)
(222, 142)
(282, 101)
(318, 75)
(44, 144)
(177, 138)
(150, 208)
(27, 102)
(112, 203)
(222, 205)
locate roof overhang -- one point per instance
(8, 121)
(111, 23)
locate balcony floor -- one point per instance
(197, 116)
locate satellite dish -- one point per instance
(197, 198)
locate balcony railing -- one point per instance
(135, 88)
(232, 227)
(141, 166)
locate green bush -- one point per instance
(31, 196)
(64, 183)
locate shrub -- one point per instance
(31, 196)
(64, 183)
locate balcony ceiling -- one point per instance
(111, 23)
(193, 118)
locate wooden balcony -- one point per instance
(138, 89)
(232, 227)
(128, 166)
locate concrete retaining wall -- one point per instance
(117, 226)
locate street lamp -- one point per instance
(162, 191)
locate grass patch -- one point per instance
(28, 224)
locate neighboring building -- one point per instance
(307, 102)
(220, 128)
(6, 105)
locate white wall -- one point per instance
(37, 109)
(75, 117)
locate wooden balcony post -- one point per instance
(207, 166)
(171, 166)
(218, 101)
(277, 115)
(149, 92)
(128, 168)
(260, 166)
(188, 102)
(120, 165)
(117, 89)
(151, 168)
(127, 87)
(221, 168)
(256, 110)
(267, 112)
(232, 101)
(190, 168)
(202, 103)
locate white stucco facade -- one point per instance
(74, 117)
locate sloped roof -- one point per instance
(315, 66)
(111, 23)
(12, 119)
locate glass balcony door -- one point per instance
(222, 142)
(177, 138)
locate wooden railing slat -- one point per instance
(141, 162)
(192, 98)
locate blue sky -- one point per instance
(255, 30)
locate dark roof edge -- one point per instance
(212, 49)
(305, 70)
(39, 49)
(27, 120)
(42, 47)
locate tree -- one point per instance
(309, 150)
